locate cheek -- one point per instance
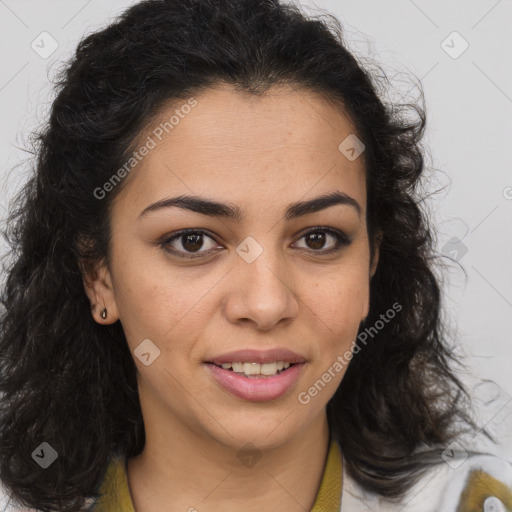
(152, 302)
(340, 299)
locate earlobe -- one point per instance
(100, 291)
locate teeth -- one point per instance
(257, 368)
(269, 368)
(238, 367)
(252, 368)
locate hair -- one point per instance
(71, 382)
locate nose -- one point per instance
(261, 292)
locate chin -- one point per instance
(266, 431)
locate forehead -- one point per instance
(241, 145)
(283, 115)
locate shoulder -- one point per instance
(9, 505)
(469, 483)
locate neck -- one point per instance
(192, 472)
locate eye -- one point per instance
(317, 237)
(189, 240)
(192, 240)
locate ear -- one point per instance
(373, 268)
(375, 262)
(98, 287)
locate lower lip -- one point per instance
(259, 389)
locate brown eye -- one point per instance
(192, 242)
(316, 239)
(186, 243)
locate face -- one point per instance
(274, 283)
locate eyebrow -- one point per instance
(235, 213)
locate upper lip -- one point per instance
(258, 356)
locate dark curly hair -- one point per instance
(71, 382)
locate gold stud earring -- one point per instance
(104, 313)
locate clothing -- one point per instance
(478, 483)
(117, 495)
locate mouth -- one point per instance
(256, 375)
(253, 370)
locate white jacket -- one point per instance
(444, 488)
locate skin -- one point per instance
(260, 154)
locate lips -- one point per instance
(257, 388)
(258, 356)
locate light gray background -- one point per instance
(469, 135)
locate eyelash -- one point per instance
(342, 240)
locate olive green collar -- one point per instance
(116, 494)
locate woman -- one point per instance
(223, 295)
